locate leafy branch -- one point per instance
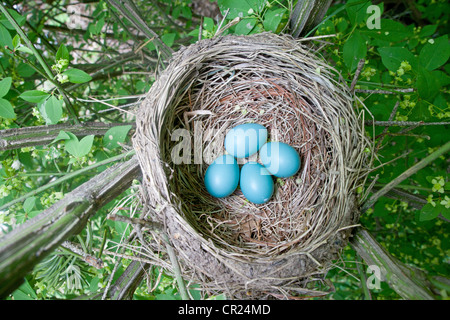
(40, 135)
(65, 178)
(25, 246)
(421, 164)
(41, 60)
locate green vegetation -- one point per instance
(83, 67)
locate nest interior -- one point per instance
(229, 243)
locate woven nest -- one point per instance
(230, 244)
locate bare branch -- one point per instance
(405, 123)
(308, 14)
(408, 282)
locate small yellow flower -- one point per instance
(430, 200)
(446, 202)
(438, 184)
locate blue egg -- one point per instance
(280, 159)
(245, 140)
(222, 176)
(256, 183)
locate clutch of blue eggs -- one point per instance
(278, 159)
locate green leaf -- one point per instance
(17, 17)
(428, 30)
(186, 12)
(99, 25)
(392, 57)
(62, 52)
(428, 212)
(25, 292)
(446, 212)
(34, 96)
(29, 204)
(5, 85)
(6, 109)
(165, 296)
(79, 148)
(273, 18)
(434, 55)
(240, 8)
(24, 70)
(25, 49)
(115, 135)
(93, 286)
(77, 75)
(176, 12)
(62, 135)
(354, 49)
(245, 26)
(168, 39)
(51, 110)
(5, 38)
(357, 11)
(428, 84)
(391, 30)
(208, 24)
(16, 41)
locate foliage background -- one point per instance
(88, 64)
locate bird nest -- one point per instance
(230, 244)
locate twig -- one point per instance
(404, 123)
(383, 134)
(135, 221)
(219, 31)
(176, 268)
(424, 162)
(385, 91)
(129, 10)
(89, 259)
(125, 256)
(357, 73)
(112, 106)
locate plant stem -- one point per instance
(362, 277)
(130, 11)
(176, 268)
(421, 164)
